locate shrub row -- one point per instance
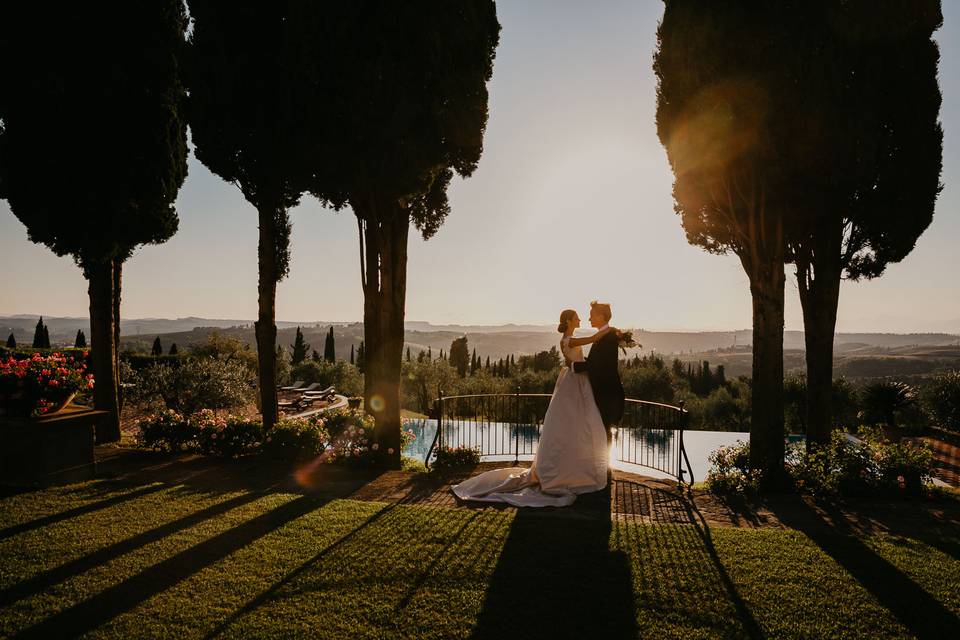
(867, 466)
(344, 435)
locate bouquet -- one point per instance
(625, 341)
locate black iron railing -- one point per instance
(508, 424)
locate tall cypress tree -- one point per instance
(300, 349)
(46, 337)
(81, 340)
(11, 342)
(361, 358)
(157, 347)
(173, 349)
(460, 355)
(351, 355)
(329, 348)
(38, 334)
(99, 183)
(408, 354)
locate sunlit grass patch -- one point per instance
(172, 561)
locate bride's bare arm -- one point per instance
(579, 342)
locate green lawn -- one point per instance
(172, 561)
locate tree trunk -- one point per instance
(265, 326)
(117, 286)
(818, 281)
(766, 420)
(763, 260)
(100, 288)
(384, 231)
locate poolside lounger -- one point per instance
(293, 387)
(326, 391)
(311, 387)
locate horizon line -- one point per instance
(244, 321)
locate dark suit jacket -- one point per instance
(601, 366)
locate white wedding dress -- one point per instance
(571, 458)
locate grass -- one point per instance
(120, 561)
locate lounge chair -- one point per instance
(319, 394)
(311, 387)
(293, 387)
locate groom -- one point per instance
(601, 366)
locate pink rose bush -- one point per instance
(351, 437)
(227, 437)
(344, 436)
(166, 431)
(296, 438)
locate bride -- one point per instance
(572, 455)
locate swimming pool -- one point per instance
(698, 444)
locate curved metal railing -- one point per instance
(508, 424)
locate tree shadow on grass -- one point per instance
(678, 575)
(248, 473)
(58, 574)
(188, 476)
(389, 534)
(106, 605)
(90, 507)
(910, 604)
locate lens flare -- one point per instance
(306, 476)
(377, 403)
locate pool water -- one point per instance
(698, 444)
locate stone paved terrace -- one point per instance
(632, 497)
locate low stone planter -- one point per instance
(51, 450)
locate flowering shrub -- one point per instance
(453, 457)
(35, 385)
(166, 431)
(870, 466)
(730, 471)
(407, 436)
(296, 438)
(351, 436)
(229, 438)
(844, 467)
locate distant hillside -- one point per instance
(859, 362)
(493, 341)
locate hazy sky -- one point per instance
(571, 202)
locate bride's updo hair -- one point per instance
(565, 317)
